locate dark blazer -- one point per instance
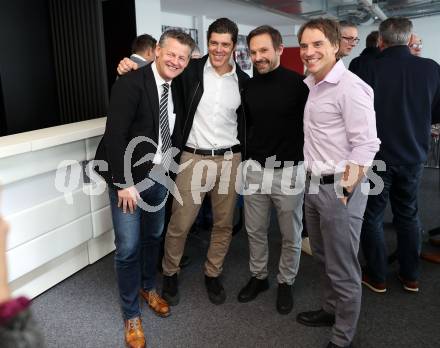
(367, 56)
(406, 100)
(191, 82)
(134, 111)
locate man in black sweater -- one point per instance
(274, 104)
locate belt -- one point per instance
(325, 179)
(280, 164)
(214, 152)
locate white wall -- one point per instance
(288, 32)
(177, 20)
(148, 17)
(425, 27)
(428, 29)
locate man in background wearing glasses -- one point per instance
(415, 45)
(349, 38)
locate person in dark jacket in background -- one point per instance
(369, 53)
(406, 97)
(143, 50)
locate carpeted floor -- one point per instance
(83, 310)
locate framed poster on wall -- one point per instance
(191, 32)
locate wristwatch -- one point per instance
(345, 192)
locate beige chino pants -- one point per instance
(214, 174)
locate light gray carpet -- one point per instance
(83, 310)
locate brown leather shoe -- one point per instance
(159, 306)
(431, 257)
(134, 334)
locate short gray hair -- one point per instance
(395, 31)
(347, 24)
(178, 35)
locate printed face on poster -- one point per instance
(242, 56)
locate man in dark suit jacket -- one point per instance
(368, 55)
(143, 50)
(213, 130)
(140, 107)
(406, 98)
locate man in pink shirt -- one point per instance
(340, 142)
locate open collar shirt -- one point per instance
(339, 122)
(215, 120)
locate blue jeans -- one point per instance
(401, 186)
(137, 239)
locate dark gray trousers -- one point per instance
(334, 230)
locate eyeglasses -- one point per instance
(416, 46)
(352, 40)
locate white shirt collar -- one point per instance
(159, 80)
(233, 72)
(139, 57)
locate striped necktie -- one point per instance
(164, 125)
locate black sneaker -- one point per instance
(216, 292)
(170, 289)
(252, 289)
(284, 298)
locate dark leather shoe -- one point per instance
(316, 318)
(134, 334)
(252, 289)
(332, 345)
(216, 292)
(170, 289)
(284, 298)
